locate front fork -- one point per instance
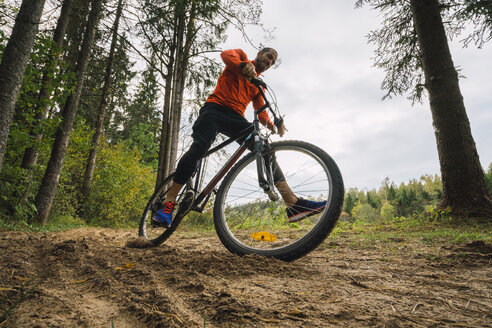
(264, 167)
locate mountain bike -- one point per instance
(249, 216)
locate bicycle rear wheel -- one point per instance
(156, 235)
(247, 221)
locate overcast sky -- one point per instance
(330, 92)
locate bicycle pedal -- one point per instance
(186, 202)
(154, 224)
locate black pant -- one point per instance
(212, 120)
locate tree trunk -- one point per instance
(175, 83)
(14, 62)
(163, 169)
(464, 189)
(185, 41)
(177, 77)
(182, 72)
(47, 190)
(31, 154)
(91, 161)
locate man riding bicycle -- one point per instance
(223, 112)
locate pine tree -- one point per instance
(14, 62)
(46, 193)
(413, 50)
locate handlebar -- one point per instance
(258, 82)
(277, 121)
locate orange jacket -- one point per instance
(233, 90)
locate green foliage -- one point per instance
(387, 212)
(203, 220)
(396, 49)
(364, 211)
(68, 196)
(142, 141)
(415, 198)
(119, 97)
(29, 104)
(422, 229)
(121, 188)
(121, 184)
(350, 201)
(13, 183)
(56, 224)
(17, 185)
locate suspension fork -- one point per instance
(264, 166)
(260, 164)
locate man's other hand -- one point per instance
(280, 130)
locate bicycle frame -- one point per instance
(265, 178)
(204, 195)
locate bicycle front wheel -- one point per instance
(247, 221)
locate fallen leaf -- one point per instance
(264, 236)
(127, 266)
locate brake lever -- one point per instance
(277, 121)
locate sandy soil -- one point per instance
(89, 278)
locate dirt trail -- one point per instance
(89, 278)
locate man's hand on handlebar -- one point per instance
(249, 71)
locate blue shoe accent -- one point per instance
(164, 215)
(304, 208)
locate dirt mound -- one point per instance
(477, 252)
(478, 246)
(91, 278)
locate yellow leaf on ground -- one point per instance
(127, 266)
(264, 236)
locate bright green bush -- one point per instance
(120, 190)
(68, 197)
(121, 184)
(364, 211)
(387, 212)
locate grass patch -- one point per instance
(427, 231)
(401, 230)
(59, 224)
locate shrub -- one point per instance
(364, 211)
(120, 190)
(387, 212)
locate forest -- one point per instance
(87, 132)
(97, 102)
(86, 142)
